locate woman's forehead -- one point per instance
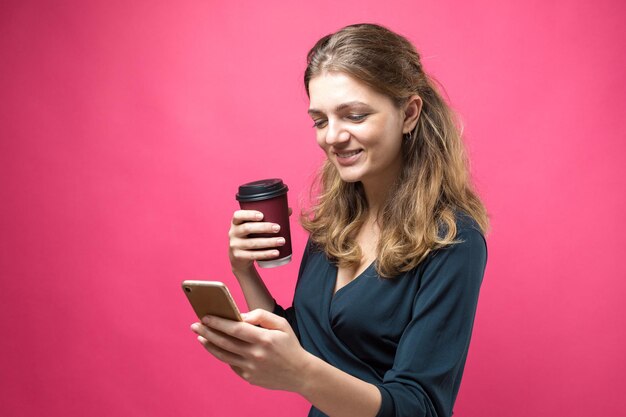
(334, 89)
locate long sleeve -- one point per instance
(290, 313)
(431, 354)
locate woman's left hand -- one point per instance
(269, 356)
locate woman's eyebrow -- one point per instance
(314, 111)
(339, 107)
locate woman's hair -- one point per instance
(434, 186)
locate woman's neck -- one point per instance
(376, 198)
(377, 186)
(377, 192)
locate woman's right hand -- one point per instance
(243, 250)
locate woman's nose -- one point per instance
(336, 134)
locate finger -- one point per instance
(260, 243)
(237, 370)
(243, 374)
(222, 340)
(235, 329)
(251, 228)
(255, 255)
(223, 355)
(266, 320)
(242, 216)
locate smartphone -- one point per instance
(211, 298)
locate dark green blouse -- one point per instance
(408, 335)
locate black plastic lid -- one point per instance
(261, 190)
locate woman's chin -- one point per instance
(350, 178)
(348, 175)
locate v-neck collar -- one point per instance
(335, 270)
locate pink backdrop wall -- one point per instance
(125, 128)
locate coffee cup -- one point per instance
(270, 198)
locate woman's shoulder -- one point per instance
(465, 225)
(469, 241)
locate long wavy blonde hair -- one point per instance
(434, 186)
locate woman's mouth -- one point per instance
(346, 158)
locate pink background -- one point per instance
(125, 128)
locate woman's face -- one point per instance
(359, 129)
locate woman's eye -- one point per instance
(319, 123)
(357, 117)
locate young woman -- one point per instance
(389, 281)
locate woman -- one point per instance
(389, 281)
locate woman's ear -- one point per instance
(412, 110)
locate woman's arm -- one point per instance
(271, 356)
(244, 250)
(337, 393)
(429, 361)
(254, 290)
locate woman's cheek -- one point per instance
(319, 138)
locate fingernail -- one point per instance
(258, 216)
(276, 228)
(281, 241)
(243, 315)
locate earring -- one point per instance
(408, 136)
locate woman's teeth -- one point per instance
(348, 154)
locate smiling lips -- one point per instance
(348, 157)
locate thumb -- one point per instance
(265, 319)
